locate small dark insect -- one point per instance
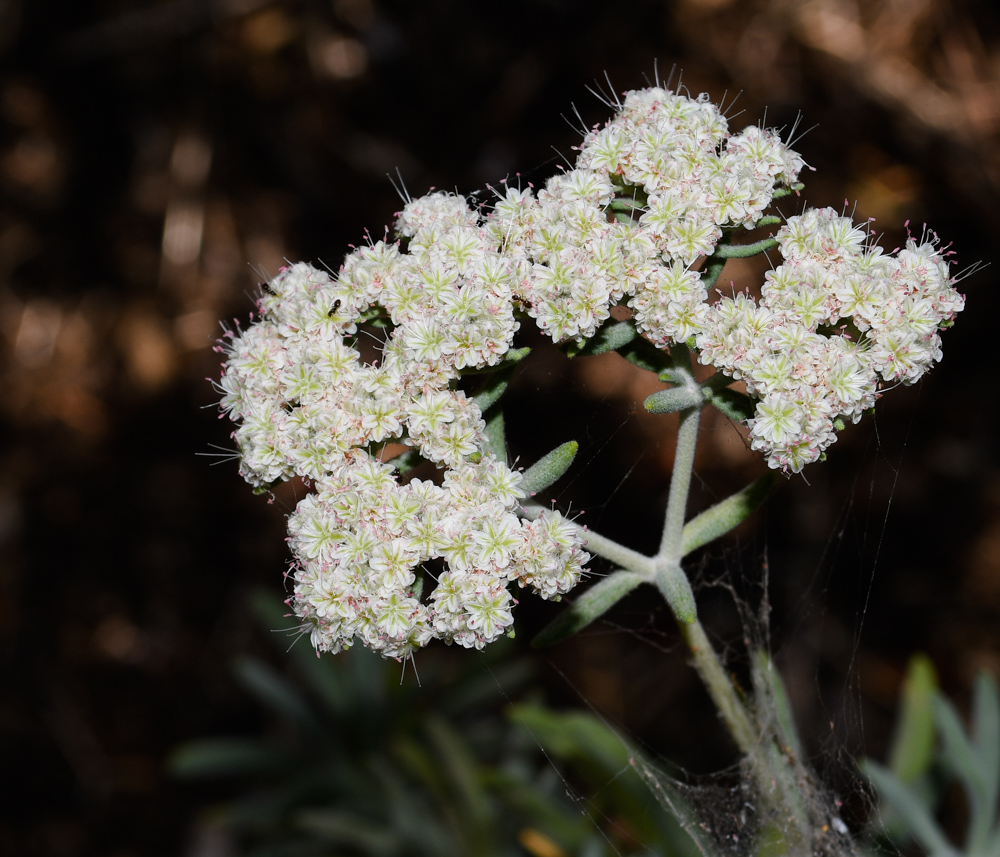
(266, 288)
(334, 308)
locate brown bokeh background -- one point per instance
(155, 155)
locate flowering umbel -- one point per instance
(660, 187)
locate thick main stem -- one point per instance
(669, 572)
(720, 688)
(767, 765)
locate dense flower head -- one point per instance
(653, 191)
(836, 320)
(308, 405)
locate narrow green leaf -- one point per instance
(961, 757)
(734, 404)
(717, 381)
(457, 763)
(320, 673)
(769, 688)
(573, 736)
(986, 741)
(673, 400)
(493, 388)
(645, 355)
(548, 468)
(917, 815)
(610, 337)
(958, 750)
(224, 757)
(350, 830)
(276, 692)
(496, 439)
(595, 602)
(711, 272)
(912, 748)
(780, 192)
(511, 358)
(744, 251)
(724, 516)
(986, 729)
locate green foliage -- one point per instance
(594, 603)
(673, 400)
(549, 468)
(910, 786)
(363, 764)
(611, 336)
(727, 514)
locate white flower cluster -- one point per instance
(677, 178)
(835, 319)
(653, 191)
(308, 405)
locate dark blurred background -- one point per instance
(155, 155)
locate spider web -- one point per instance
(725, 812)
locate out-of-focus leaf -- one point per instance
(225, 757)
(323, 676)
(277, 693)
(668, 796)
(406, 461)
(724, 516)
(539, 808)
(595, 602)
(905, 801)
(455, 760)
(347, 828)
(549, 468)
(573, 736)
(479, 688)
(912, 748)
(958, 752)
(986, 733)
(974, 759)
(414, 817)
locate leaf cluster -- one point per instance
(363, 764)
(931, 748)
